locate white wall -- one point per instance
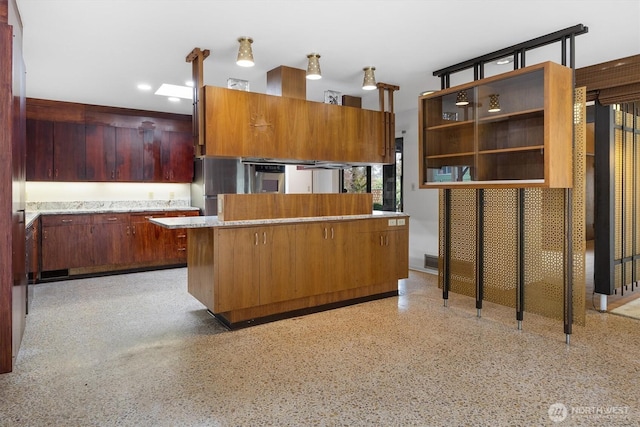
(105, 191)
(420, 205)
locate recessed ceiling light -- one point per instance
(144, 86)
(427, 92)
(173, 99)
(189, 83)
(175, 91)
(504, 61)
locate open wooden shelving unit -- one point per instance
(525, 144)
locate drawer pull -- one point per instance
(112, 219)
(66, 221)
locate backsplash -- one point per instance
(89, 205)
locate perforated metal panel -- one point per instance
(500, 246)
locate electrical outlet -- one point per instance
(172, 195)
(150, 195)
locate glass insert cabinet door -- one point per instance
(503, 131)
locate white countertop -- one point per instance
(31, 216)
(213, 221)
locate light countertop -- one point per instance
(213, 221)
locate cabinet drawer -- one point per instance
(65, 220)
(111, 218)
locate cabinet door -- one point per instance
(148, 238)
(152, 158)
(313, 271)
(277, 263)
(100, 144)
(177, 157)
(69, 158)
(39, 150)
(238, 265)
(129, 154)
(67, 242)
(111, 237)
(324, 256)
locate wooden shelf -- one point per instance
(518, 115)
(510, 150)
(450, 125)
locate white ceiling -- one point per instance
(97, 51)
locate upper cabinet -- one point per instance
(77, 142)
(246, 124)
(56, 150)
(511, 130)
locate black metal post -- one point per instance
(479, 250)
(446, 257)
(521, 237)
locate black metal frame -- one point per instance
(518, 52)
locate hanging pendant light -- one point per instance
(462, 98)
(245, 54)
(369, 82)
(313, 68)
(494, 103)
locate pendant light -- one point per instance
(245, 54)
(369, 82)
(462, 98)
(313, 68)
(494, 103)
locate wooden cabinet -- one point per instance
(32, 237)
(90, 243)
(255, 266)
(177, 156)
(383, 253)
(245, 124)
(510, 130)
(39, 150)
(321, 264)
(168, 156)
(111, 239)
(249, 272)
(67, 242)
(55, 151)
(238, 268)
(100, 143)
(76, 142)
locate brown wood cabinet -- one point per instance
(510, 130)
(249, 272)
(246, 124)
(67, 242)
(55, 151)
(111, 239)
(75, 244)
(76, 142)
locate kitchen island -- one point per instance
(255, 270)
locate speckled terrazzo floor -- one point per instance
(138, 350)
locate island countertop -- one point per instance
(213, 221)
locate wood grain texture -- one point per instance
(256, 271)
(287, 81)
(240, 207)
(245, 124)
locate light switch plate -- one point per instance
(401, 221)
(392, 222)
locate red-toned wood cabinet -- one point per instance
(55, 151)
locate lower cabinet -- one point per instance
(256, 266)
(67, 242)
(261, 266)
(75, 244)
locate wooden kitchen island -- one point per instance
(286, 255)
